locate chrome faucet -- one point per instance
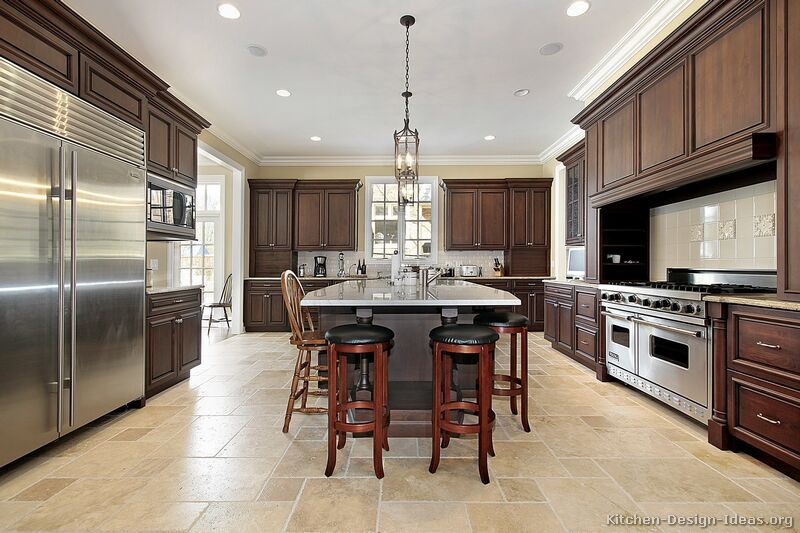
(426, 280)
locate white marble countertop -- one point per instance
(378, 293)
(162, 289)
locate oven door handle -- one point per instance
(614, 315)
(691, 333)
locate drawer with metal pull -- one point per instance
(765, 415)
(586, 305)
(168, 302)
(766, 343)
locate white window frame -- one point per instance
(219, 233)
(369, 181)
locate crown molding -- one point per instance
(658, 17)
(567, 140)
(296, 161)
(230, 141)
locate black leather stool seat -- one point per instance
(464, 334)
(358, 334)
(501, 319)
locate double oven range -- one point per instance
(657, 334)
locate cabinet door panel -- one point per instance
(593, 159)
(565, 326)
(617, 144)
(264, 214)
(340, 220)
(662, 117)
(110, 92)
(729, 82)
(492, 216)
(276, 312)
(160, 143)
(536, 309)
(162, 365)
(520, 236)
(550, 320)
(308, 220)
(255, 310)
(539, 216)
(37, 49)
(186, 155)
(282, 220)
(461, 223)
(191, 327)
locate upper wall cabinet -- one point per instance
(476, 215)
(325, 215)
(698, 105)
(172, 140)
(271, 217)
(529, 215)
(574, 161)
(111, 92)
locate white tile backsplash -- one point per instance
(481, 258)
(731, 229)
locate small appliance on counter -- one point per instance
(320, 271)
(341, 273)
(470, 271)
(301, 270)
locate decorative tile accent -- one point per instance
(764, 225)
(696, 233)
(727, 230)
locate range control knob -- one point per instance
(665, 304)
(604, 296)
(688, 308)
(646, 302)
(676, 306)
(632, 298)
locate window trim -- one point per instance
(368, 182)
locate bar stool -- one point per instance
(515, 324)
(357, 339)
(458, 340)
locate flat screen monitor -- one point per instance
(576, 263)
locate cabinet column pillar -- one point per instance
(718, 424)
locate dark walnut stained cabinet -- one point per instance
(529, 227)
(571, 314)
(325, 215)
(271, 218)
(105, 89)
(263, 306)
(172, 140)
(757, 380)
(476, 214)
(789, 156)
(173, 332)
(700, 104)
(574, 161)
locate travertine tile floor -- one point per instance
(208, 455)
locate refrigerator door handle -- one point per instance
(62, 218)
(72, 282)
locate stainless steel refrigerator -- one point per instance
(72, 252)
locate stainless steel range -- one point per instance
(657, 336)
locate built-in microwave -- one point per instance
(170, 209)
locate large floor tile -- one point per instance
(512, 517)
(243, 517)
(336, 505)
(404, 517)
(456, 480)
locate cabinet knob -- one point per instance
(179, 321)
(266, 296)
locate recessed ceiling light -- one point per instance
(578, 8)
(550, 49)
(315, 138)
(228, 11)
(283, 92)
(257, 50)
(522, 92)
(489, 138)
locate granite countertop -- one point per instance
(463, 278)
(578, 282)
(311, 278)
(499, 278)
(378, 293)
(171, 288)
(759, 300)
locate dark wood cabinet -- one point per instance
(788, 189)
(565, 339)
(111, 92)
(173, 329)
(700, 104)
(271, 217)
(325, 215)
(160, 142)
(550, 319)
(476, 215)
(574, 161)
(38, 49)
(570, 320)
(531, 294)
(185, 154)
(171, 144)
(529, 214)
(263, 306)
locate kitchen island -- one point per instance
(411, 311)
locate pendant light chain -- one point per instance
(407, 52)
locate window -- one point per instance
(387, 224)
(200, 262)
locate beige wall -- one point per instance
(214, 170)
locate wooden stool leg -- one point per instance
(524, 396)
(437, 407)
(491, 385)
(483, 416)
(342, 386)
(377, 405)
(513, 370)
(385, 411)
(292, 392)
(332, 409)
(306, 374)
(447, 372)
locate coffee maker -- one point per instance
(319, 266)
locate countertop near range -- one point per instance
(758, 300)
(498, 278)
(171, 288)
(313, 278)
(576, 282)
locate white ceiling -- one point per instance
(343, 62)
